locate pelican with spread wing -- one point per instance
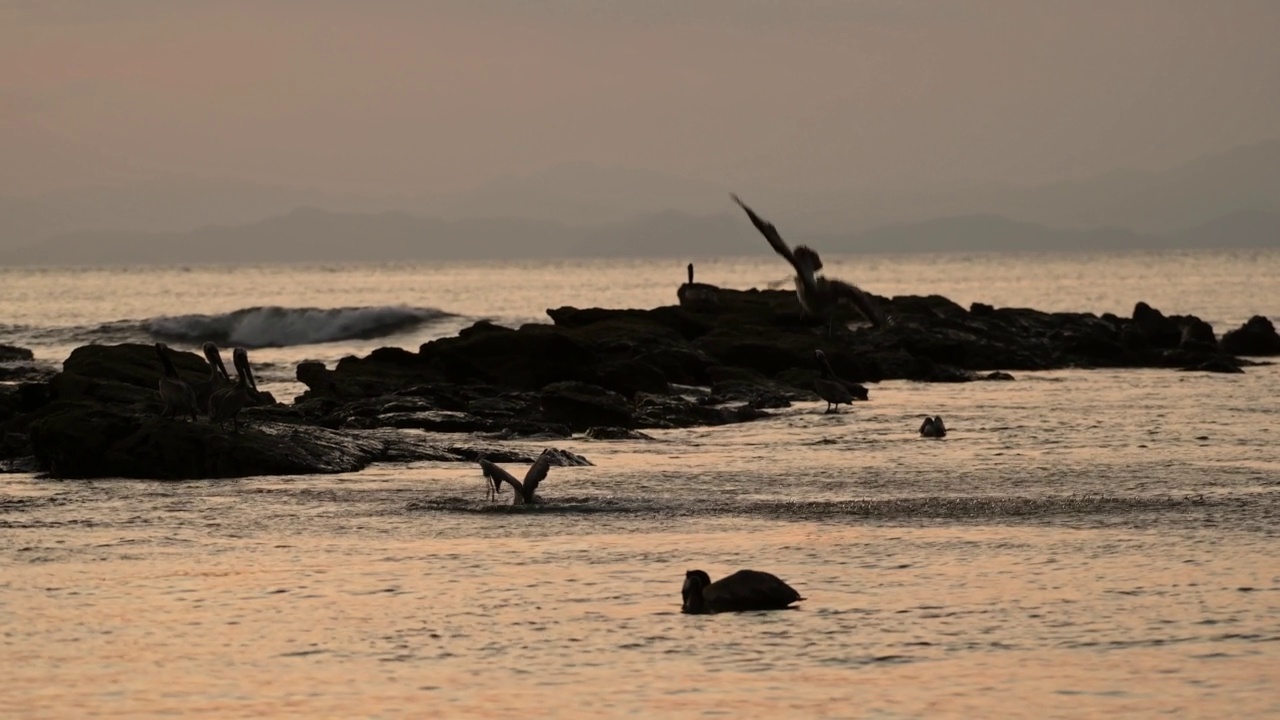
(818, 295)
(524, 491)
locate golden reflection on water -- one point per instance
(955, 621)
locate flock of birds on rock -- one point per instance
(217, 397)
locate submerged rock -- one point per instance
(13, 353)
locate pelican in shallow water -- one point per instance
(933, 427)
(697, 295)
(218, 377)
(227, 403)
(829, 387)
(743, 590)
(524, 491)
(818, 295)
(175, 393)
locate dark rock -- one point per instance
(580, 406)
(1158, 330)
(616, 433)
(995, 375)
(628, 377)
(1256, 337)
(82, 440)
(1217, 364)
(12, 353)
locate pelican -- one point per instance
(818, 295)
(175, 393)
(226, 403)
(743, 590)
(697, 295)
(524, 492)
(218, 377)
(829, 387)
(933, 427)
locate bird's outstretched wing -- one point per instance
(870, 309)
(537, 473)
(498, 476)
(770, 233)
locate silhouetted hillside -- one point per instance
(311, 235)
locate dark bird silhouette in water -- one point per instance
(525, 492)
(932, 427)
(818, 295)
(227, 403)
(829, 387)
(697, 295)
(743, 590)
(175, 393)
(218, 377)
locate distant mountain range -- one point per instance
(313, 235)
(1227, 200)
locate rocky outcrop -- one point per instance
(84, 440)
(100, 417)
(704, 363)
(1257, 337)
(12, 353)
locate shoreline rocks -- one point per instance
(619, 371)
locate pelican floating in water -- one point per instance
(227, 403)
(743, 590)
(829, 387)
(697, 295)
(933, 427)
(524, 491)
(175, 393)
(218, 377)
(818, 295)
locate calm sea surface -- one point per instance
(1082, 542)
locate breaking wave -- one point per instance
(259, 327)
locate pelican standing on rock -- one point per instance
(818, 295)
(524, 491)
(743, 590)
(175, 393)
(218, 377)
(932, 427)
(227, 403)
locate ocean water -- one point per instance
(1083, 541)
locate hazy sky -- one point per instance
(405, 97)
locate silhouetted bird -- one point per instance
(227, 403)
(933, 427)
(818, 295)
(743, 590)
(218, 377)
(524, 491)
(175, 393)
(829, 387)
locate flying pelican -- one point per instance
(697, 295)
(175, 393)
(524, 492)
(933, 427)
(218, 377)
(226, 403)
(829, 387)
(818, 295)
(743, 590)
